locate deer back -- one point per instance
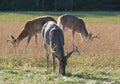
(67, 21)
(36, 24)
(57, 41)
(53, 36)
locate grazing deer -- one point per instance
(75, 24)
(53, 36)
(32, 27)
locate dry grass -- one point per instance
(6, 30)
(105, 49)
(109, 38)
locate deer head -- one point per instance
(14, 42)
(91, 37)
(63, 60)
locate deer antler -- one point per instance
(75, 49)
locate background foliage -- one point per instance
(59, 5)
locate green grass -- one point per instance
(38, 76)
(89, 17)
(86, 69)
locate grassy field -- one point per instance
(90, 17)
(99, 62)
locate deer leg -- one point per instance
(54, 67)
(36, 40)
(81, 37)
(59, 70)
(47, 54)
(73, 35)
(29, 38)
(64, 28)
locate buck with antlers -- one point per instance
(53, 36)
(32, 27)
(76, 25)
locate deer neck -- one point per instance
(58, 51)
(83, 29)
(22, 35)
(84, 34)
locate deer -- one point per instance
(76, 25)
(53, 36)
(31, 28)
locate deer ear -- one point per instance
(12, 37)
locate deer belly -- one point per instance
(65, 28)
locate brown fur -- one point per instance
(75, 24)
(32, 27)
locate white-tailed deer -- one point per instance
(75, 24)
(53, 36)
(32, 27)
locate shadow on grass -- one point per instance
(85, 75)
(90, 76)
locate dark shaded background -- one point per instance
(59, 5)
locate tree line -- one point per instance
(59, 5)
